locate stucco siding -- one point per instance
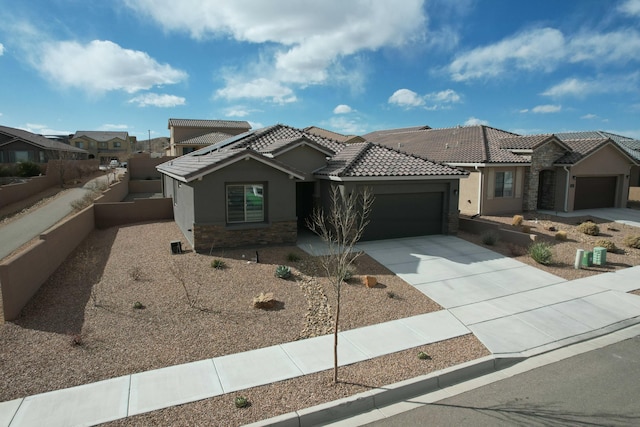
(304, 159)
(468, 200)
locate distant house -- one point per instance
(511, 173)
(347, 139)
(17, 145)
(188, 135)
(103, 145)
(259, 187)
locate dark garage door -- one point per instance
(595, 192)
(404, 215)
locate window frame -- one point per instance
(258, 190)
(500, 190)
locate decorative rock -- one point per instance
(370, 281)
(264, 301)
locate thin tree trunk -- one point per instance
(335, 342)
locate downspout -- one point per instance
(566, 190)
(479, 190)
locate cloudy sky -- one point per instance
(350, 66)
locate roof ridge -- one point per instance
(485, 144)
(359, 154)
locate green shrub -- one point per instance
(541, 253)
(347, 274)
(241, 402)
(608, 244)
(632, 241)
(517, 220)
(26, 169)
(138, 305)
(423, 356)
(8, 170)
(218, 264)
(489, 237)
(283, 272)
(293, 257)
(589, 228)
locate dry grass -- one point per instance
(82, 325)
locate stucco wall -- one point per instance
(304, 159)
(634, 194)
(143, 167)
(492, 205)
(112, 214)
(469, 194)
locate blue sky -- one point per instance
(351, 66)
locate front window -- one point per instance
(504, 184)
(103, 145)
(79, 144)
(245, 203)
(116, 144)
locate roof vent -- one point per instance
(446, 145)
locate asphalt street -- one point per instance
(600, 388)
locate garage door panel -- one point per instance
(595, 192)
(405, 215)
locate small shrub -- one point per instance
(489, 237)
(632, 241)
(27, 169)
(589, 228)
(293, 257)
(561, 235)
(517, 220)
(391, 294)
(218, 264)
(423, 356)
(76, 340)
(541, 253)
(347, 274)
(526, 228)
(83, 202)
(516, 250)
(607, 244)
(138, 305)
(135, 273)
(283, 272)
(241, 402)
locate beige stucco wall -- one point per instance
(468, 199)
(492, 205)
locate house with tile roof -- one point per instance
(17, 145)
(188, 135)
(103, 145)
(510, 173)
(259, 187)
(333, 135)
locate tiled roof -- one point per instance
(467, 144)
(528, 142)
(235, 124)
(581, 148)
(206, 139)
(371, 160)
(101, 136)
(333, 135)
(372, 136)
(38, 140)
(350, 160)
(628, 145)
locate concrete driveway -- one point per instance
(510, 306)
(620, 215)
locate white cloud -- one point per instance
(347, 126)
(473, 121)
(260, 88)
(537, 49)
(157, 100)
(445, 96)
(406, 98)
(113, 127)
(41, 129)
(543, 50)
(239, 111)
(524, 110)
(546, 109)
(342, 109)
(581, 88)
(630, 7)
(307, 40)
(1, 49)
(590, 117)
(101, 66)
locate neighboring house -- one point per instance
(261, 186)
(188, 135)
(630, 145)
(347, 139)
(102, 145)
(17, 145)
(511, 173)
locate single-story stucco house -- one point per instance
(18, 145)
(260, 186)
(511, 173)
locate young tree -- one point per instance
(340, 228)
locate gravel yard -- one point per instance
(82, 326)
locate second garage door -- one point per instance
(595, 192)
(405, 215)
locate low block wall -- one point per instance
(22, 275)
(142, 167)
(13, 193)
(146, 186)
(478, 226)
(141, 210)
(116, 192)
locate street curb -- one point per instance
(384, 396)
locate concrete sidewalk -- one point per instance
(620, 215)
(516, 311)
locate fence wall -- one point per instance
(140, 210)
(478, 226)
